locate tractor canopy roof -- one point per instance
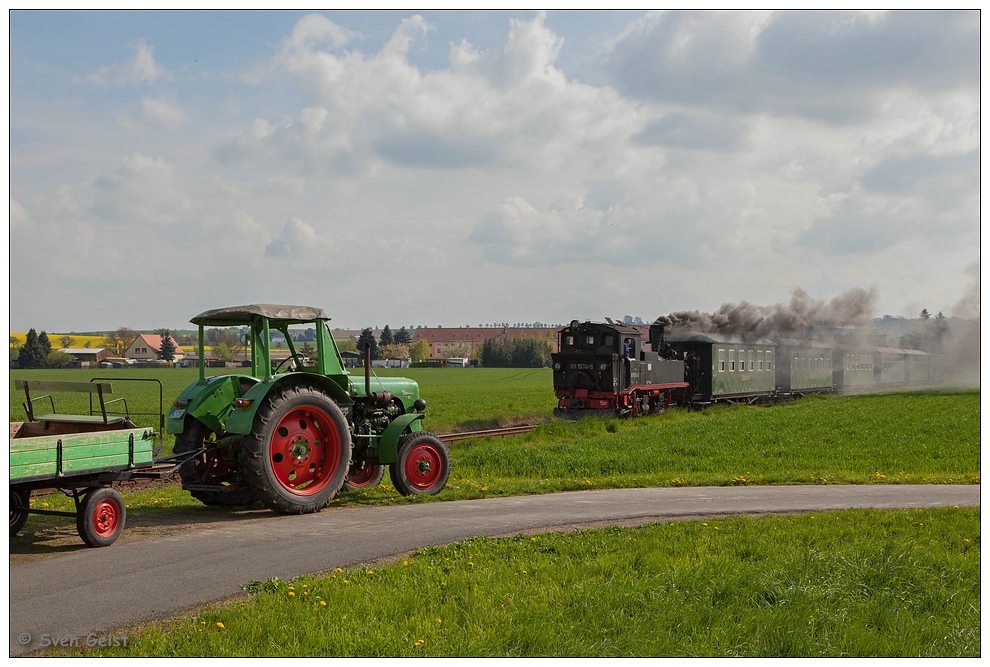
(236, 315)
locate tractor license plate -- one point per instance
(176, 413)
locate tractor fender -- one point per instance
(241, 419)
(388, 446)
(208, 401)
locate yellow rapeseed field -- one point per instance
(56, 339)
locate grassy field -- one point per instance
(853, 583)
(850, 583)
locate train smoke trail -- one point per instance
(797, 318)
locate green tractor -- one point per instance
(294, 433)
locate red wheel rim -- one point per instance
(364, 476)
(106, 517)
(423, 466)
(305, 450)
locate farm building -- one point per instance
(87, 357)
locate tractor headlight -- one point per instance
(419, 405)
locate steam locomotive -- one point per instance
(609, 370)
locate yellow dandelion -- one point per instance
(371, 571)
(405, 563)
(292, 594)
(220, 625)
(323, 603)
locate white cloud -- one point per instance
(717, 164)
(163, 112)
(142, 69)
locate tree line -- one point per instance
(37, 350)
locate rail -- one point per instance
(489, 433)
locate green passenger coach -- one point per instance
(726, 368)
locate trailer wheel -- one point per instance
(423, 466)
(101, 516)
(208, 468)
(18, 517)
(364, 477)
(298, 453)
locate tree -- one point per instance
(394, 350)
(386, 337)
(402, 336)
(420, 351)
(58, 359)
(167, 350)
(31, 354)
(222, 352)
(367, 339)
(46, 345)
(119, 340)
(67, 341)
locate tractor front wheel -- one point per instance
(209, 469)
(101, 516)
(298, 453)
(423, 466)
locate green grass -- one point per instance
(463, 398)
(892, 583)
(853, 583)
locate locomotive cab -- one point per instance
(607, 369)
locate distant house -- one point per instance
(146, 348)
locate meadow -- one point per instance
(892, 583)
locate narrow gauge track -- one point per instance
(490, 433)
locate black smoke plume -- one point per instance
(797, 318)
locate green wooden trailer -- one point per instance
(82, 456)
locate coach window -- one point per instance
(769, 360)
(732, 360)
(752, 361)
(721, 361)
(759, 360)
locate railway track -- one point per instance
(489, 433)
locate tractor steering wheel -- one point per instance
(295, 357)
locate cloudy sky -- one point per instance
(460, 168)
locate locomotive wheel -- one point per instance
(208, 468)
(423, 466)
(298, 453)
(101, 516)
(364, 477)
(18, 517)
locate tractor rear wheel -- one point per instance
(209, 468)
(298, 453)
(364, 476)
(423, 466)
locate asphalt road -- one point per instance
(91, 594)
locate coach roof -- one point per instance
(235, 315)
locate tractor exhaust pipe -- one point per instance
(379, 398)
